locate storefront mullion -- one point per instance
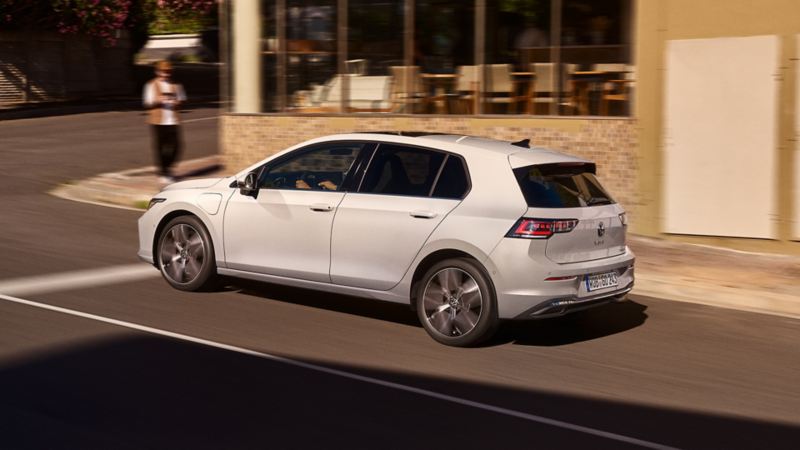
(555, 54)
(341, 54)
(280, 26)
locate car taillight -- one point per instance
(624, 219)
(541, 228)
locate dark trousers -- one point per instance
(167, 147)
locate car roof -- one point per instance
(465, 144)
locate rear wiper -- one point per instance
(597, 201)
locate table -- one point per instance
(583, 80)
(440, 83)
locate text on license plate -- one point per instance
(601, 281)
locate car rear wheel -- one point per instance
(456, 303)
(186, 255)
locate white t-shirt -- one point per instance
(168, 115)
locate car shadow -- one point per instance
(581, 326)
(346, 304)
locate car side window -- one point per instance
(453, 182)
(401, 170)
(317, 168)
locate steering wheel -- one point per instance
(278, 182)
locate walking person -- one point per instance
(163, 98)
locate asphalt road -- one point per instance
(127, 362)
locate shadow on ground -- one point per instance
(581, 326)
(151, 392)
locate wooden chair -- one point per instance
(467, 89)
(408, 91)
(500, 88)
(544, 89)
(618, 90)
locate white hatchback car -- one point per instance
(466, 230)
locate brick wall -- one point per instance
(611, 143)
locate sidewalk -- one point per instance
(132, 189)
(664, 269)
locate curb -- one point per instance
(658, 286)
(51, 109)
(103, 198)
(129, 189)
(34, 111)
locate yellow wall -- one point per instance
(658, 21)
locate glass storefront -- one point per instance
(521, 57)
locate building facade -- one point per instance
(48, 66)
(689, 108)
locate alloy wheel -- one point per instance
(182, 253)
(452, 302)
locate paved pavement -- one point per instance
(665, 269)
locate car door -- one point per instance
(380, 229)
(286, 229)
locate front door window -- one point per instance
(320, 169)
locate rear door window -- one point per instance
(561, 186)
(401, 170)
(453, 182)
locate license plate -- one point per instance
(601, 281)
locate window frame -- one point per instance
(441, 170)
(368, 146)
(446, 154)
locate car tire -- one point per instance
(185, 255)
(456, 303)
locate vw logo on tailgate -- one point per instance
(601, 229)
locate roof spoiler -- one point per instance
(525, 143)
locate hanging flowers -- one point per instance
(97, 18)
(102, 19)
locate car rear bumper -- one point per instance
(520, 271)
(561, 306)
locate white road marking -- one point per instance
(42, 284)
(349, 375)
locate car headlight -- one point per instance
(154, 201)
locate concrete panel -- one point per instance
(720, 137)
(796, 173)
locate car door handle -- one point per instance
(422, 214)
(322, 207)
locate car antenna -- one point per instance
(525, 143)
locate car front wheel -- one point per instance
(186, 255)
(456, 303)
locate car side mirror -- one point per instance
(249, 186)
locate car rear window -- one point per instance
(564, 185)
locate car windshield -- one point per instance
(562, 185)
